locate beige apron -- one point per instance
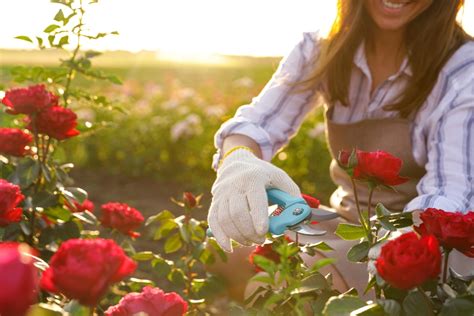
(388, 134)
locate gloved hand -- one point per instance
(239, 207)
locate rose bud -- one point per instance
(13, 141)
(84, 269)
(265, 251)
(151, 301)
(121, 217)
(29, 100)
(10, 197)
(408, 261)
(56, 122)
(18, 279)
(452, 229)
(189, 199)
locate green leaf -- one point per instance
(350, 231)
(76, 194)
(415, 304)
(177, 276)
(165, 214)
(381, 210)
(314, 282)
(265, 264)
(68, 230)
(44, 199)
(51, 28)
(162, 266)
(92, 54)
(320, 246)
(322, 263)
(457, 306)
(143, 256)
(40, 42)
(24, 38)
(263, 278)
(342, 305)
(114, 79)
(391, 307)
(59, 16)
(166, 227)
(76, 309)
(358, 252)
(173, 243)
(369, 310)
(58, 213)
(44, 309)
(64, 40)
(86, 217)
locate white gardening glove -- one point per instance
(239, 207)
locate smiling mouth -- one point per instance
(395, 5)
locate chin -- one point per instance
(393, 15)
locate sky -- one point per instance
(187, 27)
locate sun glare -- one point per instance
(189, 29)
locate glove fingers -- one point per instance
(240, 216)
(216, 227)
(282, 181)
(258, 203)
(229, 227)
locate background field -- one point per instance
(161, 141)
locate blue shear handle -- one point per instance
(295, 210)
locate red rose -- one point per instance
(122, 217)
(56, 122)
(310, 200)
(151, 301)
(87, 205)
(189, 199)
(452, 229)
(10, 197)
(265, 251)
(83, 269)
(29, 100)
(18, 279)
(407, 262)
(13, 141)
(378, 166)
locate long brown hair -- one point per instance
(431, 39)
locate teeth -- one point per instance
(393, 5)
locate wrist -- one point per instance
(237, 150)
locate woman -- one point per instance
(396, 75)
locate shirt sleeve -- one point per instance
(448, 183)
(275, 115)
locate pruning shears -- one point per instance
(293, 213)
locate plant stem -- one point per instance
(369, 215)
(72, 60)
(91, 311)
(361, 218)
(447, 251)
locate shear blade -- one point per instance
(319, 215)
(304, 229)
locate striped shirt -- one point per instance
(442, 131)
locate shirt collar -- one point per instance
(360, 60)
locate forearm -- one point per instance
(241, 140)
